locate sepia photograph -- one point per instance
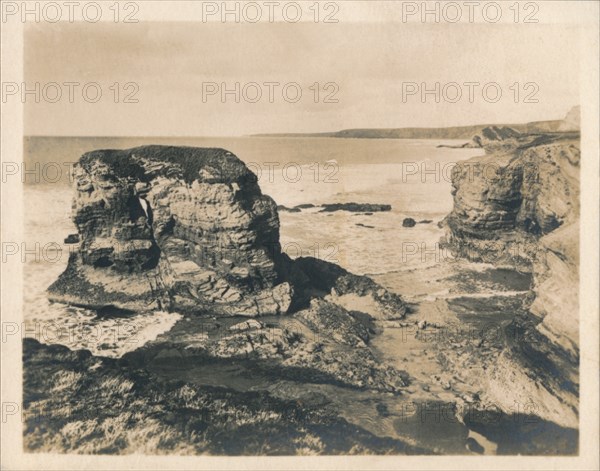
(360, 231)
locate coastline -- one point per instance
(429, 315)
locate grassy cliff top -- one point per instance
(195, 163)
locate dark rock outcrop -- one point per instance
(186, 229)
(289, 210)
(495, 136)
(295, 209)
(359, 208)
(355, 207)
(321, 277)
(409, 222)
(72, 239)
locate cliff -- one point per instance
(453, 132)
(506, 200)
(518, 206)
(188, 229)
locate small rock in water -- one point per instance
(409, 222)
(474, 446)
(72, 239)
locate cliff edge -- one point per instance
(518, 206)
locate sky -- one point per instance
(174, 65)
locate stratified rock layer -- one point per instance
(518, 206)
(173, 227)
(504, 202)
(187, 229)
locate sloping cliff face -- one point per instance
(519, 207)
(187, 229)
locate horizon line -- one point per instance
(260, 134)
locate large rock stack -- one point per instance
(173, 227)
(188, 229)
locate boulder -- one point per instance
(72, 239)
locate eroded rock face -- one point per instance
(173, 227)
(495, 136)
(188, 229)
(504, 202)
(520, 208)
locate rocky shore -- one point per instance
(267, 345)
(185, 229)
(91, 405)
(518, 206)
(188, 230)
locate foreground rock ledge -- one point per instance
(188, 229)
